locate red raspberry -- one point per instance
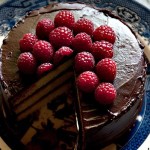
(44, 68)
(104, 32)
(62, 53)
(87, 81)
(64, 18)
(84, 61)
(83, 25)
(27, 42)
(43, 51)
(27, 63)
(61, 36)
(105, 93)
(82, 42)
(43, 28)
(106, 70)
(102, 49)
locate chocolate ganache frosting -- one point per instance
(98, 125)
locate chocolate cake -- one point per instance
(50, 113)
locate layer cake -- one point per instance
(98, 124)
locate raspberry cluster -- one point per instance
(53, 41)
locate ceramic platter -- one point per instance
(132, 12)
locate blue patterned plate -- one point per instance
(134, 14)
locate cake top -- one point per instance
(125, 47)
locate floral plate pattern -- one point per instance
(135, 15)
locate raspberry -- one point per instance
(43, 51)
(44, 68)
(27, 42)
(61, 36)
(84, 61)
(82, 42)
(43, 28)
(104, 32)
(62, 53)
(87, 81)
(64, 18)
(27, 63)
(102, 49)
(83, 25)
(105, 93)
(106, 70)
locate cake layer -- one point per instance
(43, 91)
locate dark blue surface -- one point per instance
(131, 12)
